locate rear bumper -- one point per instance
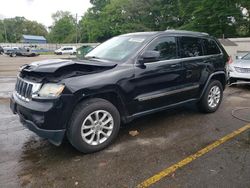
(239, 76)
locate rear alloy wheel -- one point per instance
(212, 97)
(94, 125)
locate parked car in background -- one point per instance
(239, 70)
(1, 50)
(83, 50)
(124, 78)
(66, 50)
(26, 52)
(9, 50)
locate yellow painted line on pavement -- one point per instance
(166, 172)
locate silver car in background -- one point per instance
(239, 70)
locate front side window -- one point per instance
(166, 46)
(190, 47)
(211, 48)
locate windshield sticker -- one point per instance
(139, 40)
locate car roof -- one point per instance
(174, 32)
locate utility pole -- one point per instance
(76, 29)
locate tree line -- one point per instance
(107, 18)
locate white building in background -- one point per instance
(236, 46)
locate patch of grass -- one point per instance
(46, 53)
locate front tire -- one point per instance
(212, 97)
(94, 125)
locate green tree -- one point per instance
(63, 29)
(215, 17)
(2, 32)
(16, 27)
(112, 17)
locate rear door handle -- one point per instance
(189, 73)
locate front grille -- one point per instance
(24, 89)
(242, 70)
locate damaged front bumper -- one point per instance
(43, 118)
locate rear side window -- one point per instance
(190, 47)
(211, 48)
(166, 46)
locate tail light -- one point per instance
(230, 60)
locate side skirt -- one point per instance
(140, 114)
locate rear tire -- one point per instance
(87, 131)
(212, 97)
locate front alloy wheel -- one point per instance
(94, 125)
(97, 127)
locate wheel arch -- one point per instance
(114, 97)
(220, 76)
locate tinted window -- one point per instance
(211, 47)
(190, 47)
(166, 46)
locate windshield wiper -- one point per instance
(92, 57)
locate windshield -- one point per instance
(118, 48)
(246, 57)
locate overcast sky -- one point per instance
(41, 10)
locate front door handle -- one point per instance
(174, 65)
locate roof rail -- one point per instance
(186, 32)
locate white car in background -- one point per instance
(239, 70)
(8, 50)
(66, 50)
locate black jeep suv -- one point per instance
(124, 78)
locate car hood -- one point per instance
(58, 69)
(52, 66)
(242, 63)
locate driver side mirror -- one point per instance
(149, 56)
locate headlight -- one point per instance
(230, 69)
(50, 90)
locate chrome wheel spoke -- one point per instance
(107, 121)
(107, 128)
(92, 138)
(103, 117)
(88, 133)
(97, 115)
(98, 138)
(90, 119)
(86, 127)
(104, 134)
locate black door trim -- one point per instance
(158, 94)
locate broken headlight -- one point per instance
(50, 91)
